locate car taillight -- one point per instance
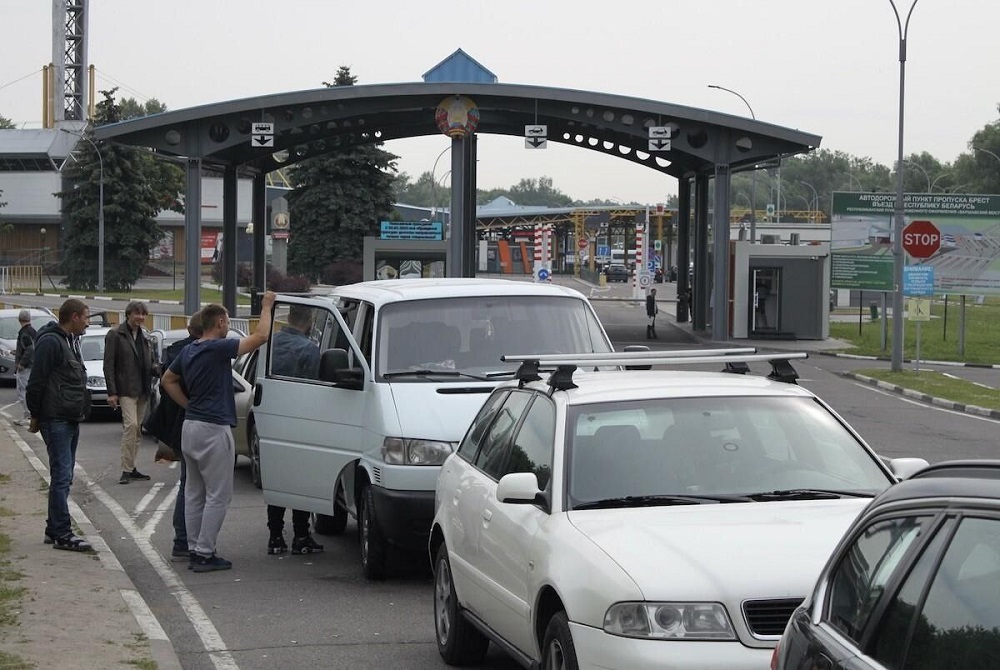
(774, 656)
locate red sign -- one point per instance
(582, 244)
(921, 239)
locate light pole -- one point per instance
(41, 259)
(934, 183)
(986, 151)
(926, 176)
(753, 178)
(100, 209)
(851, 179)
(815, 197)
(434, 182)
(897, 241)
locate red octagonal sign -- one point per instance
(921, 239)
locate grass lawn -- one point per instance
(939, 385)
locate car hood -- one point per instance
(438, 411)
(94, 368)
(721, 552)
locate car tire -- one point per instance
(326, 524)
(254, 449)
(372, 542)
(458, 641)
(558, 652)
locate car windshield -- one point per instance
(471, 334)
(9, 325)
(758, 448)
(92, 348)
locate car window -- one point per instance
(862, 574)
(492, 455)
(958, 624)
(470, 444)
(295, 341)
(532, 448)
(92, 348)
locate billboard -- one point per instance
(968, 261)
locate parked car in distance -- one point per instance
(616, 272)
(640, 519)
(92, 351)
(403, 366)
(915, 582)
(9, 328)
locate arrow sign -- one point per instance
(535, 142)
(659, 145)
(262, 141)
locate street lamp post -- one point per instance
(434, 182)
(753, 178)
(815, 196)
(926, 176)
(851, 179)
(100, 209)
(897, 242)
(41, 259)
(986, 151)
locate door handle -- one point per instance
(487, 515)
(258, 391)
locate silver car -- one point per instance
(9, 327)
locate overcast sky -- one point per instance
(825, 67)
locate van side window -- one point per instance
(294, 342)
(363, 335)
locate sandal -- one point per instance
(72, 543)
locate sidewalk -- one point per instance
(61, 609)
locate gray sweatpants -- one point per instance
(208, 450)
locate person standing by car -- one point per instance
(166, 424)
(293, 354)
(652, 309)
(22, 362)
(200, 380)
(129, 370)
(58, 399)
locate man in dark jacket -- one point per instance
(128, 371)
(165, 424)
(23, 354)
(58, 400)
(652, 309)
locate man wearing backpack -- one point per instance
(58, 400)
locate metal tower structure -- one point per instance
(69, 58)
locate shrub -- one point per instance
(341, 272)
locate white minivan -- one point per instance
(366, 391)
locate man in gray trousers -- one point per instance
(205, 366)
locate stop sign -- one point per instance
(921, 239)
(583, 244)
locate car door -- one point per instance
(506, 543)
(310, 430)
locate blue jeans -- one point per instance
(180, 528)
(61, 438)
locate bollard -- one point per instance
(873, 306)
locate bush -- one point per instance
(342, 272)
(275, 279)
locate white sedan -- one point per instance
(641, 519)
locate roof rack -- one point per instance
(565, 364)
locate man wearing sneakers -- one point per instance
(58, 401)
(205, 366)
(293, 354)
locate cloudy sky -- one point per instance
(826, 67)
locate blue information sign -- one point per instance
(411, 230)
(918, 280)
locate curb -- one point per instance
(923, 397)
(66, 296)
(954, 364)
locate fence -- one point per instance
(17, 277)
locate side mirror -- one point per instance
(518, 488)
(904, 468)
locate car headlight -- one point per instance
(403, 451)
(96, 382)
(669, 621)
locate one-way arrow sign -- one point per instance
(659, 145)
(262, 141)
(262, 135)
(535, 137)
(659, 138)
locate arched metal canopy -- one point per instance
(703, 145)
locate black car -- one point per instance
(617, 273)
(915, 582)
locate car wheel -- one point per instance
(255, 474)
(325, 524)
(372, 542)
(558, 652)
(458, 641)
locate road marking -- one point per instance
(145, 617)
(961, 379)
(922, 404)
(168, 502)
(146, 499)
(210, 638)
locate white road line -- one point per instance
(165, 504)
(951, 376)
(922, 404)
(222, 659)
(146, 499)
(147, 620)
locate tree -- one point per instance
(137, 188)
(130, 108)
(337, 200)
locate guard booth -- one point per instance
(405, 250)
(780, 291)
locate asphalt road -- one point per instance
(317, 611)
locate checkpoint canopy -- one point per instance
(260, 134)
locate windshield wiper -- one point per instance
(653, 501)
(809, 494)
(425, 372)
